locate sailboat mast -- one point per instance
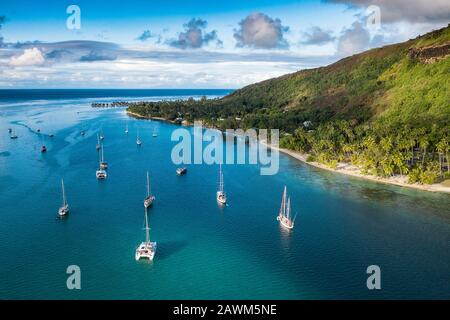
(288, 209)
(63, 192)
(102, 154)
(147, 229)
(148, 185)
(220, 178)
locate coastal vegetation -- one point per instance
(386, 110)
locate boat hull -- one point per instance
(221, 197)
(63, 211)
(285, 224)
(145, 251)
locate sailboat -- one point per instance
(285, 212)
(138, 140)
(13, 135)
(65, 206)
(146, 249)
(103, 163)
(101, 134)
(155, 134)
(148, 201)
(221, 196)
(126, 129)
(97, 146)
(101, 173)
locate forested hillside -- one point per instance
(386, 110)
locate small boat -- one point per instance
(148, 201)
(83, 132)
(97, 146)
(64, 209)
(43, 149)
(51, 135)
(13, 135)
(126, 129)
(146, 250)
(103, 163)
(221, 195)
(284, 215)
(138, 140)
(181, 171)
(101, 134)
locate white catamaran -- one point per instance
(146, 249)
(148, 201)
(103, 163)
(221, 195)
(65, 206)
(285, 212)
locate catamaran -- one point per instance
(285, 212)
(148, 201)
(138, 140)
(103, 163)
(146, 249)
(221, 195)
(97, 147)
(65, 206)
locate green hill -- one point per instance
(386, 110)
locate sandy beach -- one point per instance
(351, 170)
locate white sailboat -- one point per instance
(13, 135)
(101, 173)
(64, 209)
(126, 129)
(155, 134)
(101, 134)
(138, 140)
(103, 163)
(284, 215)
(147, 249)
(148, 201)
(221, 195)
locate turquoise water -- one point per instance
(204, 251)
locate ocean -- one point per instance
(205, 251)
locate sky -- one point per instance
(196, 43)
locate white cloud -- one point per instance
(261, 31)
(29, 57)
(407, 10)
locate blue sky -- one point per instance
(194, 44)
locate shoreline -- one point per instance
(342, 168)
(351, 170)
